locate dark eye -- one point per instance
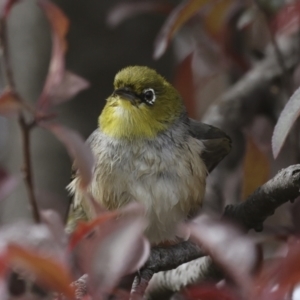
(149, 96)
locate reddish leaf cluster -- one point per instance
(112, 244)
(247, 276)
(106, 249)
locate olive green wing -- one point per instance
(217, 143)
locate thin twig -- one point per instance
(24, 126)
(25, 129)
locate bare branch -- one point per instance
(25, 129)
(163, 259)
(262, 203)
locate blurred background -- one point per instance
(96, 52)
(216, 47)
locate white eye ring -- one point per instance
(149, 96)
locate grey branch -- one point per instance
(250, 214)
(163, 259)
(262, 203)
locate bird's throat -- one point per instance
(129, 122)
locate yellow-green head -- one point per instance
(142, 105)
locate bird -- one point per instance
(148, 150)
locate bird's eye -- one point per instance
(149, 96)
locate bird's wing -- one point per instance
(217, 143)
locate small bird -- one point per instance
(148, 150)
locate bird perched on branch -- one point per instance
(148, 150)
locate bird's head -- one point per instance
(142, 105)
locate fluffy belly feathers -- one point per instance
(168, 181)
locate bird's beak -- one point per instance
(127, 94)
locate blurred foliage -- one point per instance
(211, 39)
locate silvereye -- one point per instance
(148, 150)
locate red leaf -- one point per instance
(117, 249)
(228, 247)
(208, 292)
(123, 11)
(70, 86)
(285, 122)
(48, 272)
(4, 257)
(7, 184)
(278, 279)
(287, 20)
(59, 28)
(184, 83)
(9, 104)
(77, 148)
(85, 228)
(55, 225)
(176, 19)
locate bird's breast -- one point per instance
(168, 179)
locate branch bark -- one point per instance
(251, 214)
(163, 259)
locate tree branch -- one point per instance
(250, 214)
(163, 259)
